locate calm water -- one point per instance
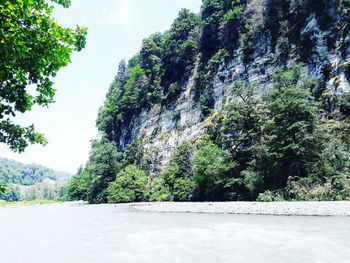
(79, 233)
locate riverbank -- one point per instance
(26, 203)
(250, 208)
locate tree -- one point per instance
(129, 186)
(221, 22)
(79, 186)
(178, 177)
(289, 131)
(150, 60)
(212, 172)
(242, 123)
(104, 163)
(132, 98)
(33, 48)
(180, 48)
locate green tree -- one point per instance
(178, 177)
(212, 168)
(221, 23)
(289, 130)
(242, 129)
(79, 186)
(242, 123)
(158, 192)
(180, 48)
(132, 97)
(33, 48)
(104, 163)
(129, 186)
(150, 60)
(253, 181)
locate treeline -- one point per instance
(28, 182)
(46, 190)
(286, 144)
(12, 172)
(289, 142)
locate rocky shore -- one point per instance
(250, 208)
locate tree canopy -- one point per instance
(33, 47)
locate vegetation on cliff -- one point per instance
(287, 142)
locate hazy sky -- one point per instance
(116, 30)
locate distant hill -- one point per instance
(31, 181)
(27, 174)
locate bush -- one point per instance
(266, 196)
(158, 192)
(234, 13)
(129, 186)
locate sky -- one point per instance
(115, 32)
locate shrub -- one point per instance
(234, 13)
(129, 186)
(266, 196)
(158, 192)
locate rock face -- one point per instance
(162, 128)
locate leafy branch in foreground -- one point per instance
(33, 47)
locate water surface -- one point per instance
(80, 233)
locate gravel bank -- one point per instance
(251, 208)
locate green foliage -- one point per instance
(278, 140)
(103, 165)
(253, 181)
(178, 177)
(212, 172)
(221, 25)
(249, 37)
(266, 196)
(158, 191)
(233, 14)
(241, 123)
(130, 100)
(33, 48)
(150, 61)
(289, 130)
(289, 142)
(12, 172)
(180, 49)
(79, 186)
(129, 186)
(2, 189)
(204, 83)
(30, 182)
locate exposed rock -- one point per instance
(162, 128)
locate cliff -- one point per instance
(162, 127)
(246, 100)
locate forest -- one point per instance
(31, 182)
(289, 141)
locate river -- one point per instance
(81, 233)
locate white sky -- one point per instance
(116, 30)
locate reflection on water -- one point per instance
(79, 233)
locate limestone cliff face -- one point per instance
(162, 128)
